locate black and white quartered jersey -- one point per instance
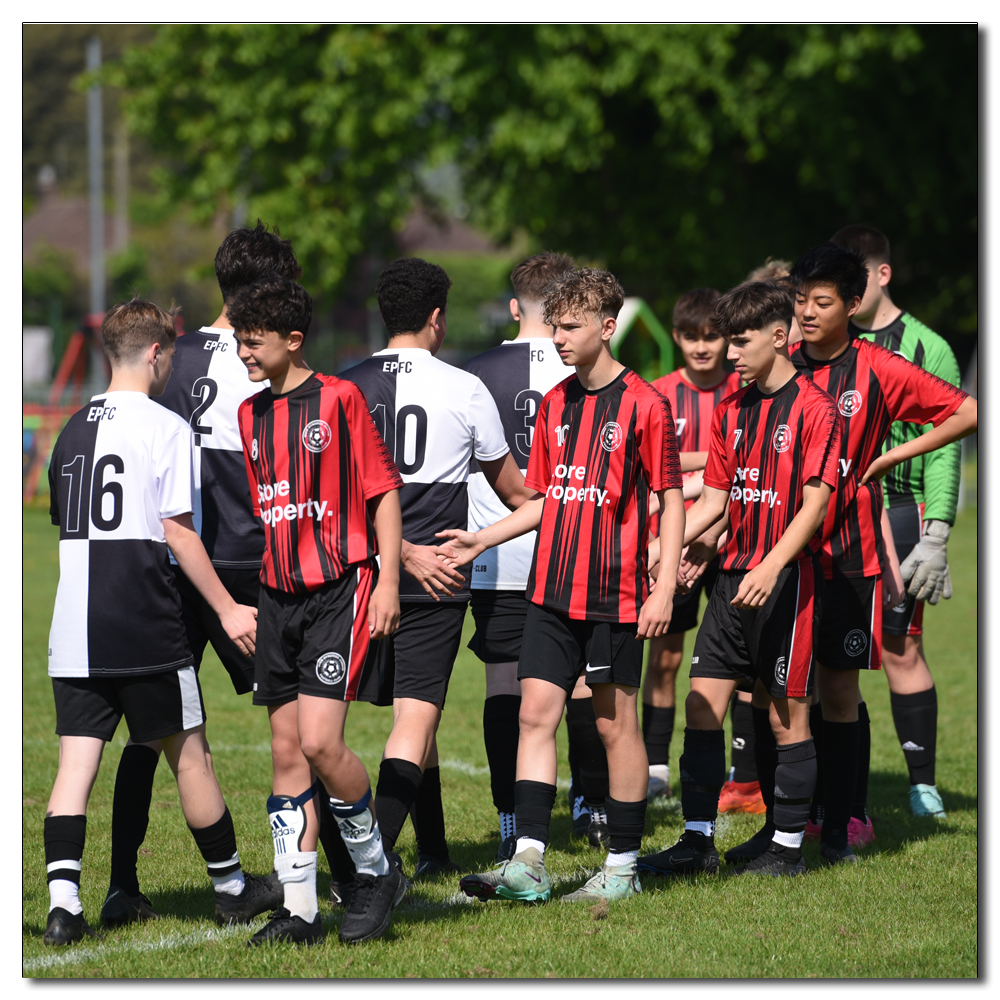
(518, 374)
(120, 465)
(435, 419)
(206, 388)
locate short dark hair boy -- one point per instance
(408, 291)
(772, 468)
(327, 497)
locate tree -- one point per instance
(675, 155)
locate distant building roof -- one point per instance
(421, 232)
(64, 223)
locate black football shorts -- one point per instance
(850, 631)
(557, 648)
(314, 643)
(500, 616)
(154, 705)
(907, 523)
(773, 643)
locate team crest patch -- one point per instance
(611, 435)
(331, 668)
(782, 438)
(780, 671)
(317, 435)
(849, 403)
(855, 643)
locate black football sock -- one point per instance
(500, 734)
(398, 784)
(130, 814)
(816, 728)
(533, 802)
(427, 816)
(703, 773)
(794, 783)
(217, 844)
(859, 809)
(765, 751)
(657, 731)
(915, 717)
(338, 857)
(625, 823)
(840, 779)
(581, 725)
(64, 837)
(742, 754)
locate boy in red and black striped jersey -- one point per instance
(603, 440)
(872, 387)
(326, 492)
(693, 391)
(772, 465)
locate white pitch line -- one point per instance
(164, 943)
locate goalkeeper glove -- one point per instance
(927, 565)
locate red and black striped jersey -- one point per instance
(314, 458)
(872, 387)
(595, 456)
(764, 448)
(693, 409)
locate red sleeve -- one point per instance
(911, 393)
(378, 471)
(716, 474)
(658, 445)
(821, 437)
(245, 416)
(539, 471)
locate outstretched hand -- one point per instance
(460, 547)
(240, 624)
(426, 565)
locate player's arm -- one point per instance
(706, 511)
(942, 471)
(383, 606)
(960, 424)
(238, 620)
(755, 588)
(892, 580)
(462, 547)
(507, 480)
(654, 615)
(693, 461)
(697, 556)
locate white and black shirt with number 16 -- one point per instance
(435, 419)
(518, 374)
(119, 467)
(206, 388)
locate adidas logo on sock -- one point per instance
(910, 745)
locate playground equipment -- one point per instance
(641, 342)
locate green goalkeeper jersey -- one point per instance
(931, 479)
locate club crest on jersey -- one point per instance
(611, 435)
(317, 436)
(855, 642)
(782, 438)
(331, 668)
(849, 402)
(780, 671)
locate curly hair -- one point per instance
(273, 303)
(589, 291)
(246, 255)
(771, 270)
(408, 291)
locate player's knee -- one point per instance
(699, 713)
(535, 717)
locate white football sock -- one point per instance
(66, 894)
(297, 872)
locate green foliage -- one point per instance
(909, 909)
(678, 155)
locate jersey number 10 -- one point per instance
(410, 437)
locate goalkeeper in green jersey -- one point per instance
(921, 496)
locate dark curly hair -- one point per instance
(247, 255)
(274, 303)
(828, 264)
(589, 291)
(754, 305)
(408, 291)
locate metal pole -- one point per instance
(95, 159)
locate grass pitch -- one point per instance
(908, 909)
